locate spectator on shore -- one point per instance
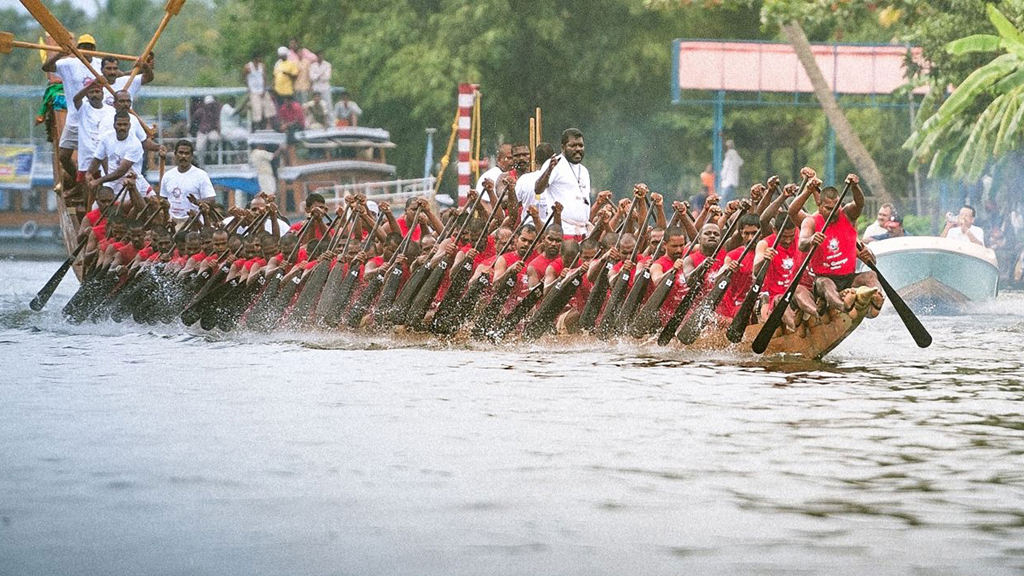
(877, 228)
(318, 116)
(302, 58)
(261, 106)
(208, 118)
(320, 78)
(731, 165)
(346, 112)
(230, 128)
(290, 117)
(285, 73)
(262, 161)
(707, 180)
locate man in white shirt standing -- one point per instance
(111, 70)
(185, 182)
(526, 183)
(731, 165)
(122, 152)
(94, 118)
(320, 78)
(567, 182)
(503, 162)
(962, 227)
(261, 107)
(73, 75)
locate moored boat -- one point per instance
(937, 275)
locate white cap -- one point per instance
(372, 206)
(282, 51)
(208, 99)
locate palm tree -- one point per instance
(979, 122)
(845, 133)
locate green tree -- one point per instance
(980, 121)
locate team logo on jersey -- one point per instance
(176, 192)
(787, 263)
(833, 245)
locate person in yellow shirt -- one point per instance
(285, 73)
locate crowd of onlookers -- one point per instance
(295, 94)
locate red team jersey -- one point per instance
(782, 267)
(739, 284)
(837, 255)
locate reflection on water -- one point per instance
(132, 450)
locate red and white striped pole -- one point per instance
(467, 95)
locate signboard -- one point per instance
(773, 67)
(16, 166)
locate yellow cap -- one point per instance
(86, 39)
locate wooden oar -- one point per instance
(917, 330)
(320, 284)
(626, 313)
(336, 274)
(397, 312)
(738, 326)
(647, 320)
(694, 282)
(211, 280)
(620, 288)
(384, 284)
(44, 294)
(775, 319)
(260, 316)
(170, 9)
(628, 316)
(503, 288)
(599, 293)
(7, 42)
(557, 298)
(446, 309)
(62, 37)
(691, 329)
(428, 291)
(467, 304)
(343, 296)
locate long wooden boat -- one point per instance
(812, 340)
(938, 275)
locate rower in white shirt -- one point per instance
(122, 153)
(502, 164)
(567, 181)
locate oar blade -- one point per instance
(43, 296)
(910, 320)
(771, 325)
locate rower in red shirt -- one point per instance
(316, 207)
(675, 251)
(710, 234)
(782, 262)
(834, 263)
(742, 272)
(548, 252)
(92, 221)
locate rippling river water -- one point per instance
(127, 450)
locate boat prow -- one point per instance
(937, 275)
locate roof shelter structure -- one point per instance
(754, 68)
